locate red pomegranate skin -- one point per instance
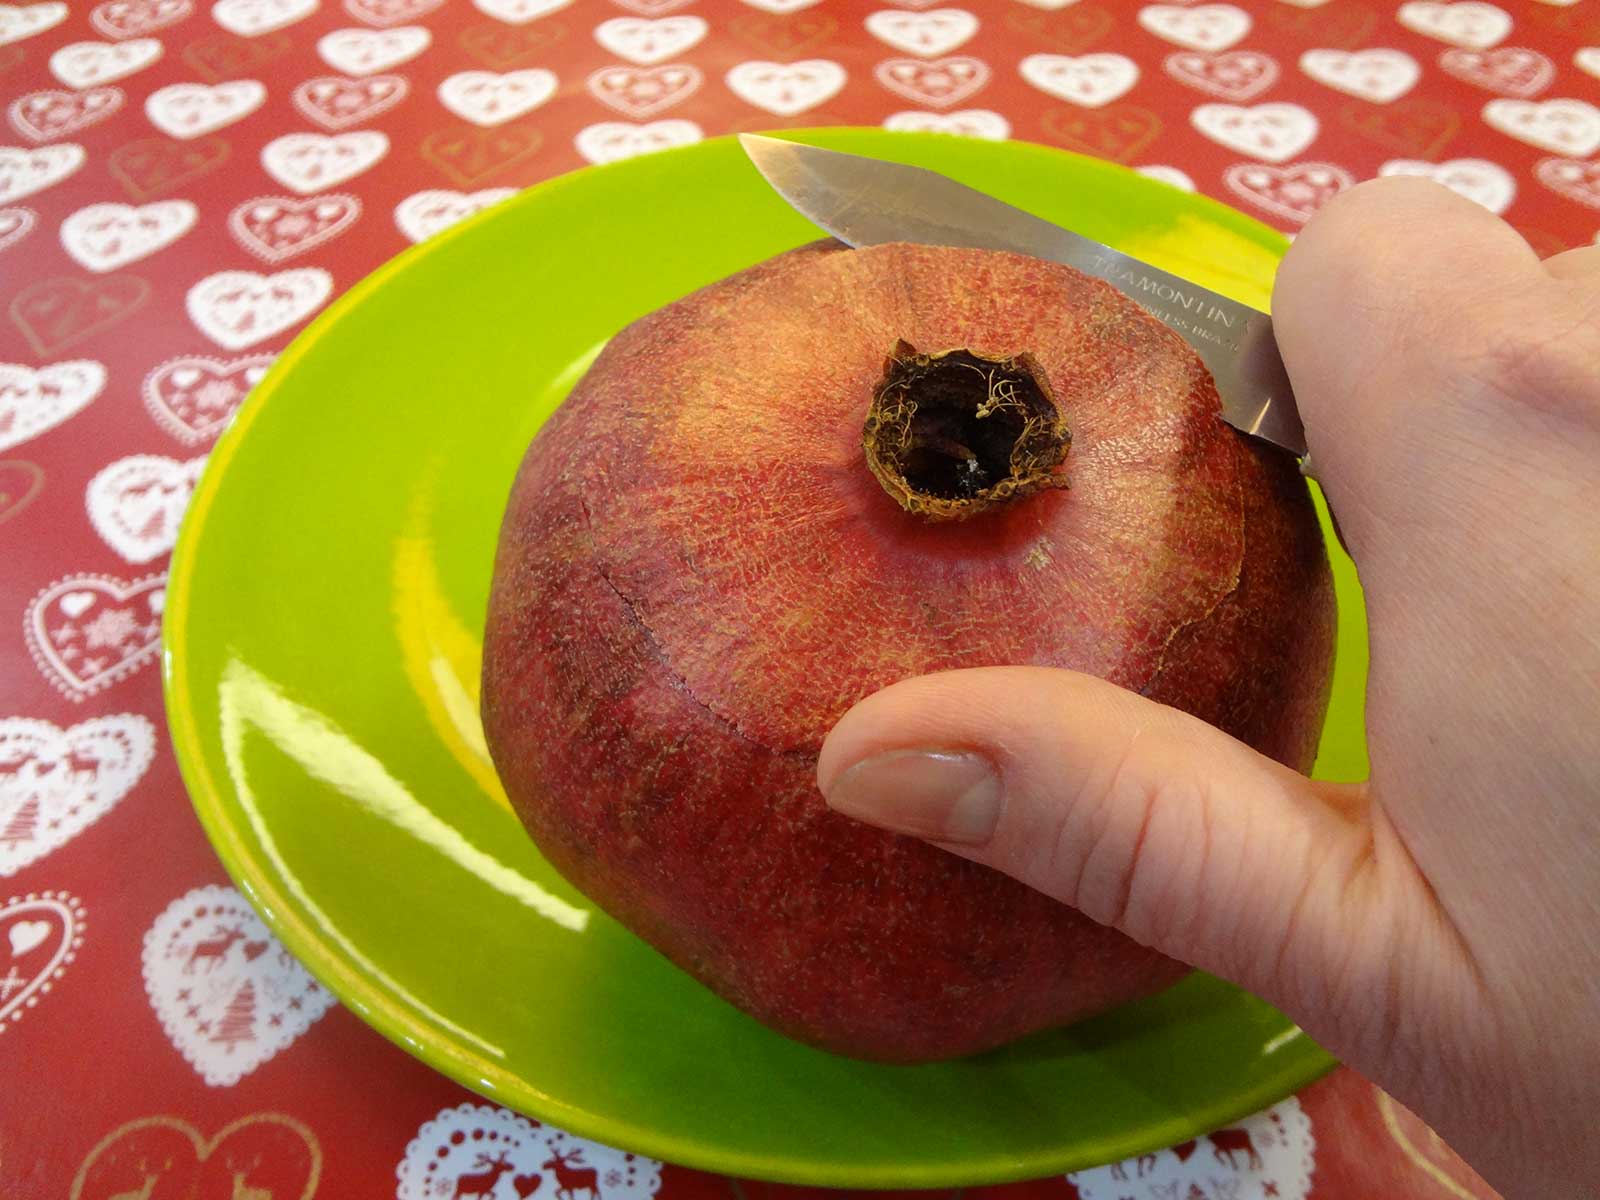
(698, 574)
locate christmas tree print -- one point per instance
(22, 823)
(238, 1020)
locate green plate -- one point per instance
(322, 637)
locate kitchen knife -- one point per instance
(867, 201)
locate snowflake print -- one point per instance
(111, 628)
(215, 395)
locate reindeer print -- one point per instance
(1267, 1157)
(479, 1152)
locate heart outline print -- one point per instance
(49, 922)
(1293, 192)
(16, 224)
(53, 113)
(194, 397)
(261, 1155)
(134, 18)
(58, 639)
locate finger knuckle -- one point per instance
(1131, 846)
(1545, 361)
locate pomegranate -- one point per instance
(829, 472)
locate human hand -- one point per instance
(1438, 927)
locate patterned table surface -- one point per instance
(185, 183)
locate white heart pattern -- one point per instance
(55, 783)
(384, 13)
(103, 237)
(34, 399)
(137, 503)
(1202, 27)
(274, 228)
(313, 162)
(1469, 23)
(84, 64)
(43, 932)
(1588, 59)
(367, 51)
(132, 18)
(21, 22)
(336, 102)
(1271, 132)
(60, 616)
(942, 82)
(191, 110)
(1569, 127)
(423, 214)
(1092, 80)
(1572, 178)
(1487, 183)
(613, 141)
(649, 42)
(193, 397)
(781, 7)
(1377, 75)
(785, 89)
(448, 1158)
(236, 309)
(228, 995)
(251, 18)
(969, 122)
(1514, 70)
(1269, 1154)
(1293, 192)
(487, 99)
(1171, 176)
(641, 91)
(519, 12)
(27, 935)
(23, 172)
(927, 33)
(50, 113)
(1234, 75)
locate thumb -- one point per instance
(1147, 820)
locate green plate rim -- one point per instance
(414, 1035)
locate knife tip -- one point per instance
(755, 142)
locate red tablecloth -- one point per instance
(185, 183)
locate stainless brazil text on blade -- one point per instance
(866, 201)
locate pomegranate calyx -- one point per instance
(956, 433)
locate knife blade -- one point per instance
(868, 201)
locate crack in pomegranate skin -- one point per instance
(678, 682)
